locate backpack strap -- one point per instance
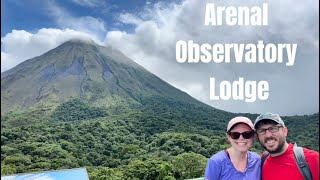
(264, 157)
(301, 162)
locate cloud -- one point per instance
(86, 24)
(128, 18)
(293, 90)
(90, 3)
(20, 45)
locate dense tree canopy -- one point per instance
(163, 140)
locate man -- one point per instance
(281, 164)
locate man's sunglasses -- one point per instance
(245, 135)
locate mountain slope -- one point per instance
(84, 70)
(84, 105)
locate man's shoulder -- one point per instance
(310, 153)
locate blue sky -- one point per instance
(34, 14)
(147, 31)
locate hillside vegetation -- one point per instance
(164, 140)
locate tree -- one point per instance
(189, 165)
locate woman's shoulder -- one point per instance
(219, 156)
(254, 155)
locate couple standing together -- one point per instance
(238, 163)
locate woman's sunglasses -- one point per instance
(245, 135)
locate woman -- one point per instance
(236, 162)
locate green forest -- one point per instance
(163, 139)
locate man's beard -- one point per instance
(279, 149)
